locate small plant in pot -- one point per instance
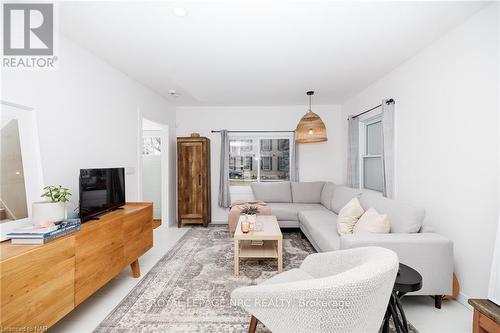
(46, 213)
(251, 214)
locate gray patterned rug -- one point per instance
(189, 289)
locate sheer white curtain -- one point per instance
(294, 160)
(353, 152)
(224, 194)
(388, 147)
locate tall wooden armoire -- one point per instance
(193, 181)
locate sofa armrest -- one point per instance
(428, 253)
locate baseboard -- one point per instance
(462, 299)
(219, 222)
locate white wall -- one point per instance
(322, 161)
(447, 139)
(88, 115)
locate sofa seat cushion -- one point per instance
(307, 192)
(290, 211)
(292, 275)
(403, 218)
(272, 192)
(321, 227)
(284, 211)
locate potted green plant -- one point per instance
(250, 213)
(53, 210)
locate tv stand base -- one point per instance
(136, 270)
(57, 276)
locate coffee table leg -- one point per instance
(280, 255)
(236, 258)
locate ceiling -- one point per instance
(258, 53)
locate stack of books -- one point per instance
(37, 235)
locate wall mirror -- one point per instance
(494, 288)
(20, 166)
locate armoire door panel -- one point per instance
(192, 169)
(191, 198)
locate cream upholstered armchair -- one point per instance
(342, 291)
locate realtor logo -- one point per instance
(28, 29)
(28, 36)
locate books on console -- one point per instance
(39, 235)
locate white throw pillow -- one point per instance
(348, 216)
(372, 222)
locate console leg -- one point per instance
(136, 270)
(437, 301)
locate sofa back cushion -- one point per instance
(307, 192)
(272, 192)
(327, 194)
(402, 217)
(341, 196)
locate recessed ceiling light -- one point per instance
(173, 93)
(179, 11)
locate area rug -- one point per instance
(189, 289)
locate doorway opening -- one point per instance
(154, 167)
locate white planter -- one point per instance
(46, 213)
(252, 218)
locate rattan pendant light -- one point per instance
(310, 128)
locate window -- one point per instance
(283, 144)
(267, 163)
(263, 158)
(283, 163)
(151, 145)
(372, 176)
(248, 163)
(266, 144)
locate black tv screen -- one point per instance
(101, 190)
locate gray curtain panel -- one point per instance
(224, 195)
(388, 147)
(294, 161)
(353, 152)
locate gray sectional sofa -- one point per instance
(313, 207)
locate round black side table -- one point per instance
(407, 280)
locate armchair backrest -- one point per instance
(351, 300)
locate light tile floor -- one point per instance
(452, 318)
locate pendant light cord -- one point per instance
(310, 93)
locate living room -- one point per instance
(404, 100)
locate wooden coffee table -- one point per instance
(272, 246)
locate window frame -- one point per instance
(257, 136)
(363, 124)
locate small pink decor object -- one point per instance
(245, 226)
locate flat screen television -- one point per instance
(101, 190)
